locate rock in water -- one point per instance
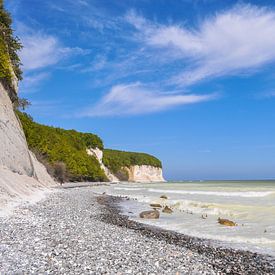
(226, 222)
(151, 214)
(167, 210)
(164, 197)
(155, 205)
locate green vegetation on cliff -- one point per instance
(115, 159)
(53, 146)
(9, 47)
(5, 68)
(64, 153)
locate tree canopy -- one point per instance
(9, 47)
(54, 145)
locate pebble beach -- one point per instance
(75, 231)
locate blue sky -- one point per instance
(191, 82)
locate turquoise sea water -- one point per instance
(251, 204)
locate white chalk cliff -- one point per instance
(136, 173)
(21, 175)
(144, 173)
(98, 154)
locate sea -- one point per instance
(197, 205)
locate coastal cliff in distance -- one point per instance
(144, 173)
(128, 172)
(81, 156)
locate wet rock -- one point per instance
(155, 205)
(167, 210)
(151, 214)
(164, 197)
(226, 222)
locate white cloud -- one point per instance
(31, 81)
(135, 99)
(42, 50)
(239, 40)
(39, 51)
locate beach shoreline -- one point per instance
(78, 231)
(224, 259)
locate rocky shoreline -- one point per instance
(221, 259)
(75, 231)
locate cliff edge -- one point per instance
(128, 166)
(22, 177)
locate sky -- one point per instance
(190, 82)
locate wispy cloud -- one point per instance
(32, 81)
(266, 95)
(136, 99)
(46, 107)
(41, 51)
(232, 42)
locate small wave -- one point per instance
(246, 194)
(188, 206)
(129, 188)
(200, 208)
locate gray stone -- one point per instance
(150, 214)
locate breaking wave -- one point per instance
(244, 194)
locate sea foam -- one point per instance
(244, 194)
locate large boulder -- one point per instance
(151, 214)
(226, 222)
(167, 210)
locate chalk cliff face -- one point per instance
(136, 173)
(144, 173)
(14, 153)
(21, 175)
(99, 155)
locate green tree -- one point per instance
(21, 104)
(9, 47)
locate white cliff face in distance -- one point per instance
(136, 173)
(98, 154)
(21, 175)
(144, 173)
